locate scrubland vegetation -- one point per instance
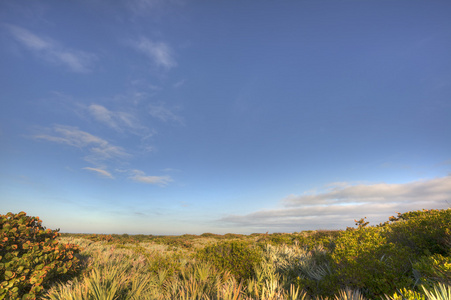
(407, 257)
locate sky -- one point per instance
(174, 117)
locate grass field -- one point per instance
(408, 257)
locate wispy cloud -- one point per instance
(138, 6)
(51, 51)
(98, 148)
(164, 114)
(117, 120)
(338, 206)
(99, 171)
(160, 53)
(140, 176)
(179, 83)
(157, 8)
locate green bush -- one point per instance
(174, 241)
(409, 249)
(325, 238)
(237, 257)
(30, 257)
(425, 232)
(365, 260)
(234, 236)
(281, 239)
(210, 235)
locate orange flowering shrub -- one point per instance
(31, 258)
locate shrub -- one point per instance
(30, 257)
(365, 260)
(281, 239)
(101, 237)
(169, 263)
(174, 241)
(210, 235)
(234, 236)
(425, 232)
(325, 238)
(237, 257)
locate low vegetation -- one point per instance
(407, 257)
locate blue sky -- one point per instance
(173, 117)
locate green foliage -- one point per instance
(433, 269)
(425, 232)
(210, 235)
(170, 263)
(364, 259)
(324, 238)
(237, 257)
(174, 241)
(306, 239)
(281, 239)
(30, 257)
(379, 260)
(231, 236)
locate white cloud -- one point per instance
(99, 171)
(140, 176)
(51, 51)
(438, 189)
(98, 148)
(341, 204)
(160, 53)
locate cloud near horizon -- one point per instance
(340, 205)
(51, 51)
